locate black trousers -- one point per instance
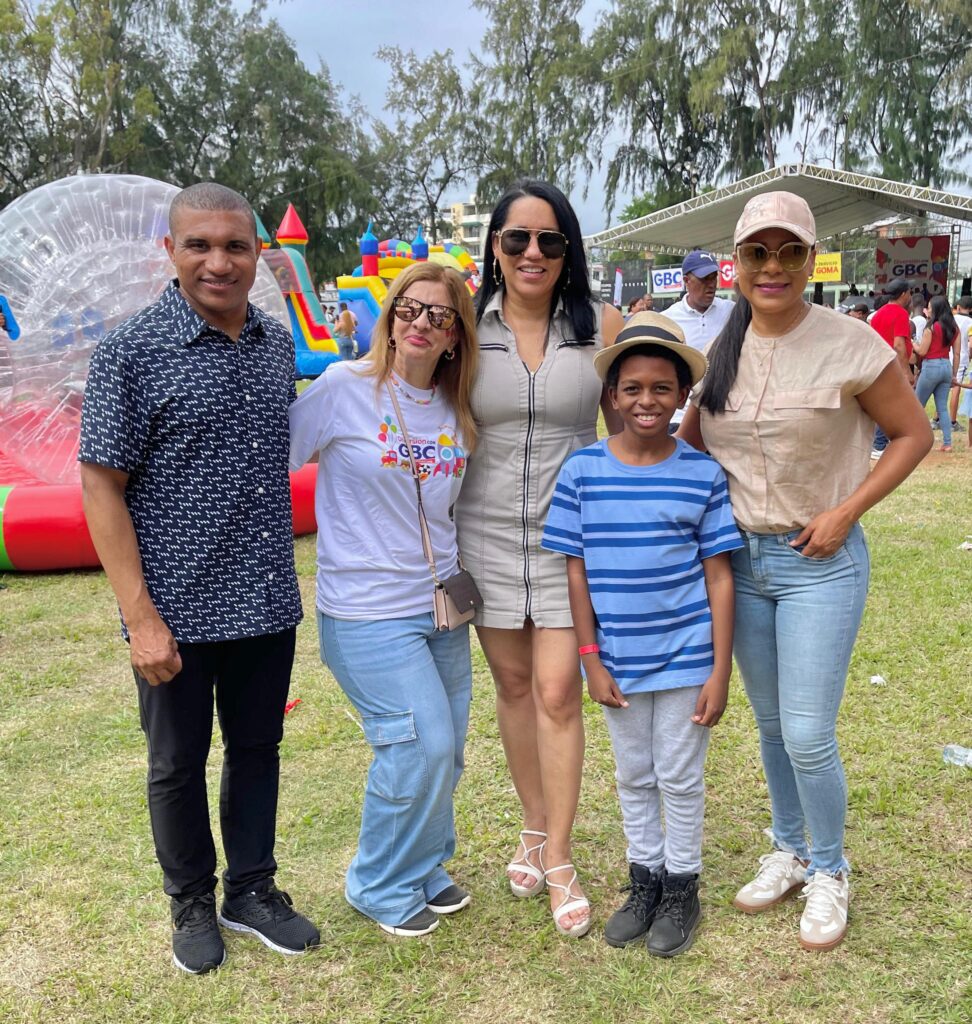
(249, 679)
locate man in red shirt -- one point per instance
(892, 322)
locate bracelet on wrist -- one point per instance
(588, 649)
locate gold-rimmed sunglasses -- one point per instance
(791, 256)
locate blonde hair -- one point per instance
(345, 324)
(454, 376)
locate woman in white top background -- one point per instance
(410, 683)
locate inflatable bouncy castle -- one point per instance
(314, 346)
(365, 287)
(77, 257)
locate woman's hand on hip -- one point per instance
(824, 534)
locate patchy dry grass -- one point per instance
(84, 928)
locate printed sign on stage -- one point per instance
(827, 267)
(921, 260)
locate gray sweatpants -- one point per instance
(660, 755)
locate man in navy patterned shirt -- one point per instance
(184, 443)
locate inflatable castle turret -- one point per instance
(420, 248)
(314, 347)
(369, 252)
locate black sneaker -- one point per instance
(270, 916)
(422, 923)
(197, 946)
(677, 917)
(631, 921)
(451, 899)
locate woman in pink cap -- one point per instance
(788, 409)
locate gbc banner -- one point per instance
(828, 266)
(669, 279)
(921, 260)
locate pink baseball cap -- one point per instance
(776, 210)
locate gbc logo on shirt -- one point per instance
(423, 453)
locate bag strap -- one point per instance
(423, 522)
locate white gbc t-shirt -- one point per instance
(370, 563)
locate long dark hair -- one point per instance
(724, 358)
(573, 285)
(941, 313)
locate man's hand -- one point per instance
(602, 687)
(155, 653)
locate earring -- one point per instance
(391, 342)
(450, 354)
(497, 274)
(567, 282)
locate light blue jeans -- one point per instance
(796, 622)
(411, 685)
(936, 379)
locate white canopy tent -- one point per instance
(841, 201)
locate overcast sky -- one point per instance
(346, 35)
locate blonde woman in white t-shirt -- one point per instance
(788, 409)
(410, 683)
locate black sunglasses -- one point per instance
(408, 309)
(515, 241)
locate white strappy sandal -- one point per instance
(569, 904)
(523, 864)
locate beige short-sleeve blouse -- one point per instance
(793, 440)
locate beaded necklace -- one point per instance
(400, 388)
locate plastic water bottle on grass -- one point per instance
(954, 754)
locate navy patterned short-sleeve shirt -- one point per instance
(200, 425)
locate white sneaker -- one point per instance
(780, 875)
(876, 453)
(824, 921)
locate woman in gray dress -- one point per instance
(535, 401)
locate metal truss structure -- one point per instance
(842, 201)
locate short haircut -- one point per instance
(918, 301)
(964, 302)
(208, 195)
(682, 370)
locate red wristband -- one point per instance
(588, 649)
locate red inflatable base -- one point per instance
(42, 526)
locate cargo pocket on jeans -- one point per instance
(398, 771)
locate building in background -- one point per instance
(470, 223)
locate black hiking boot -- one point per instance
(677, 917)
(632, 920)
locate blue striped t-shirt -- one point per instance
(643, 532)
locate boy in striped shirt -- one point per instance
(647, 528)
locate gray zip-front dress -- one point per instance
(528, 424)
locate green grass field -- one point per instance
(84, 931)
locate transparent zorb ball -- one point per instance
(77, 257)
